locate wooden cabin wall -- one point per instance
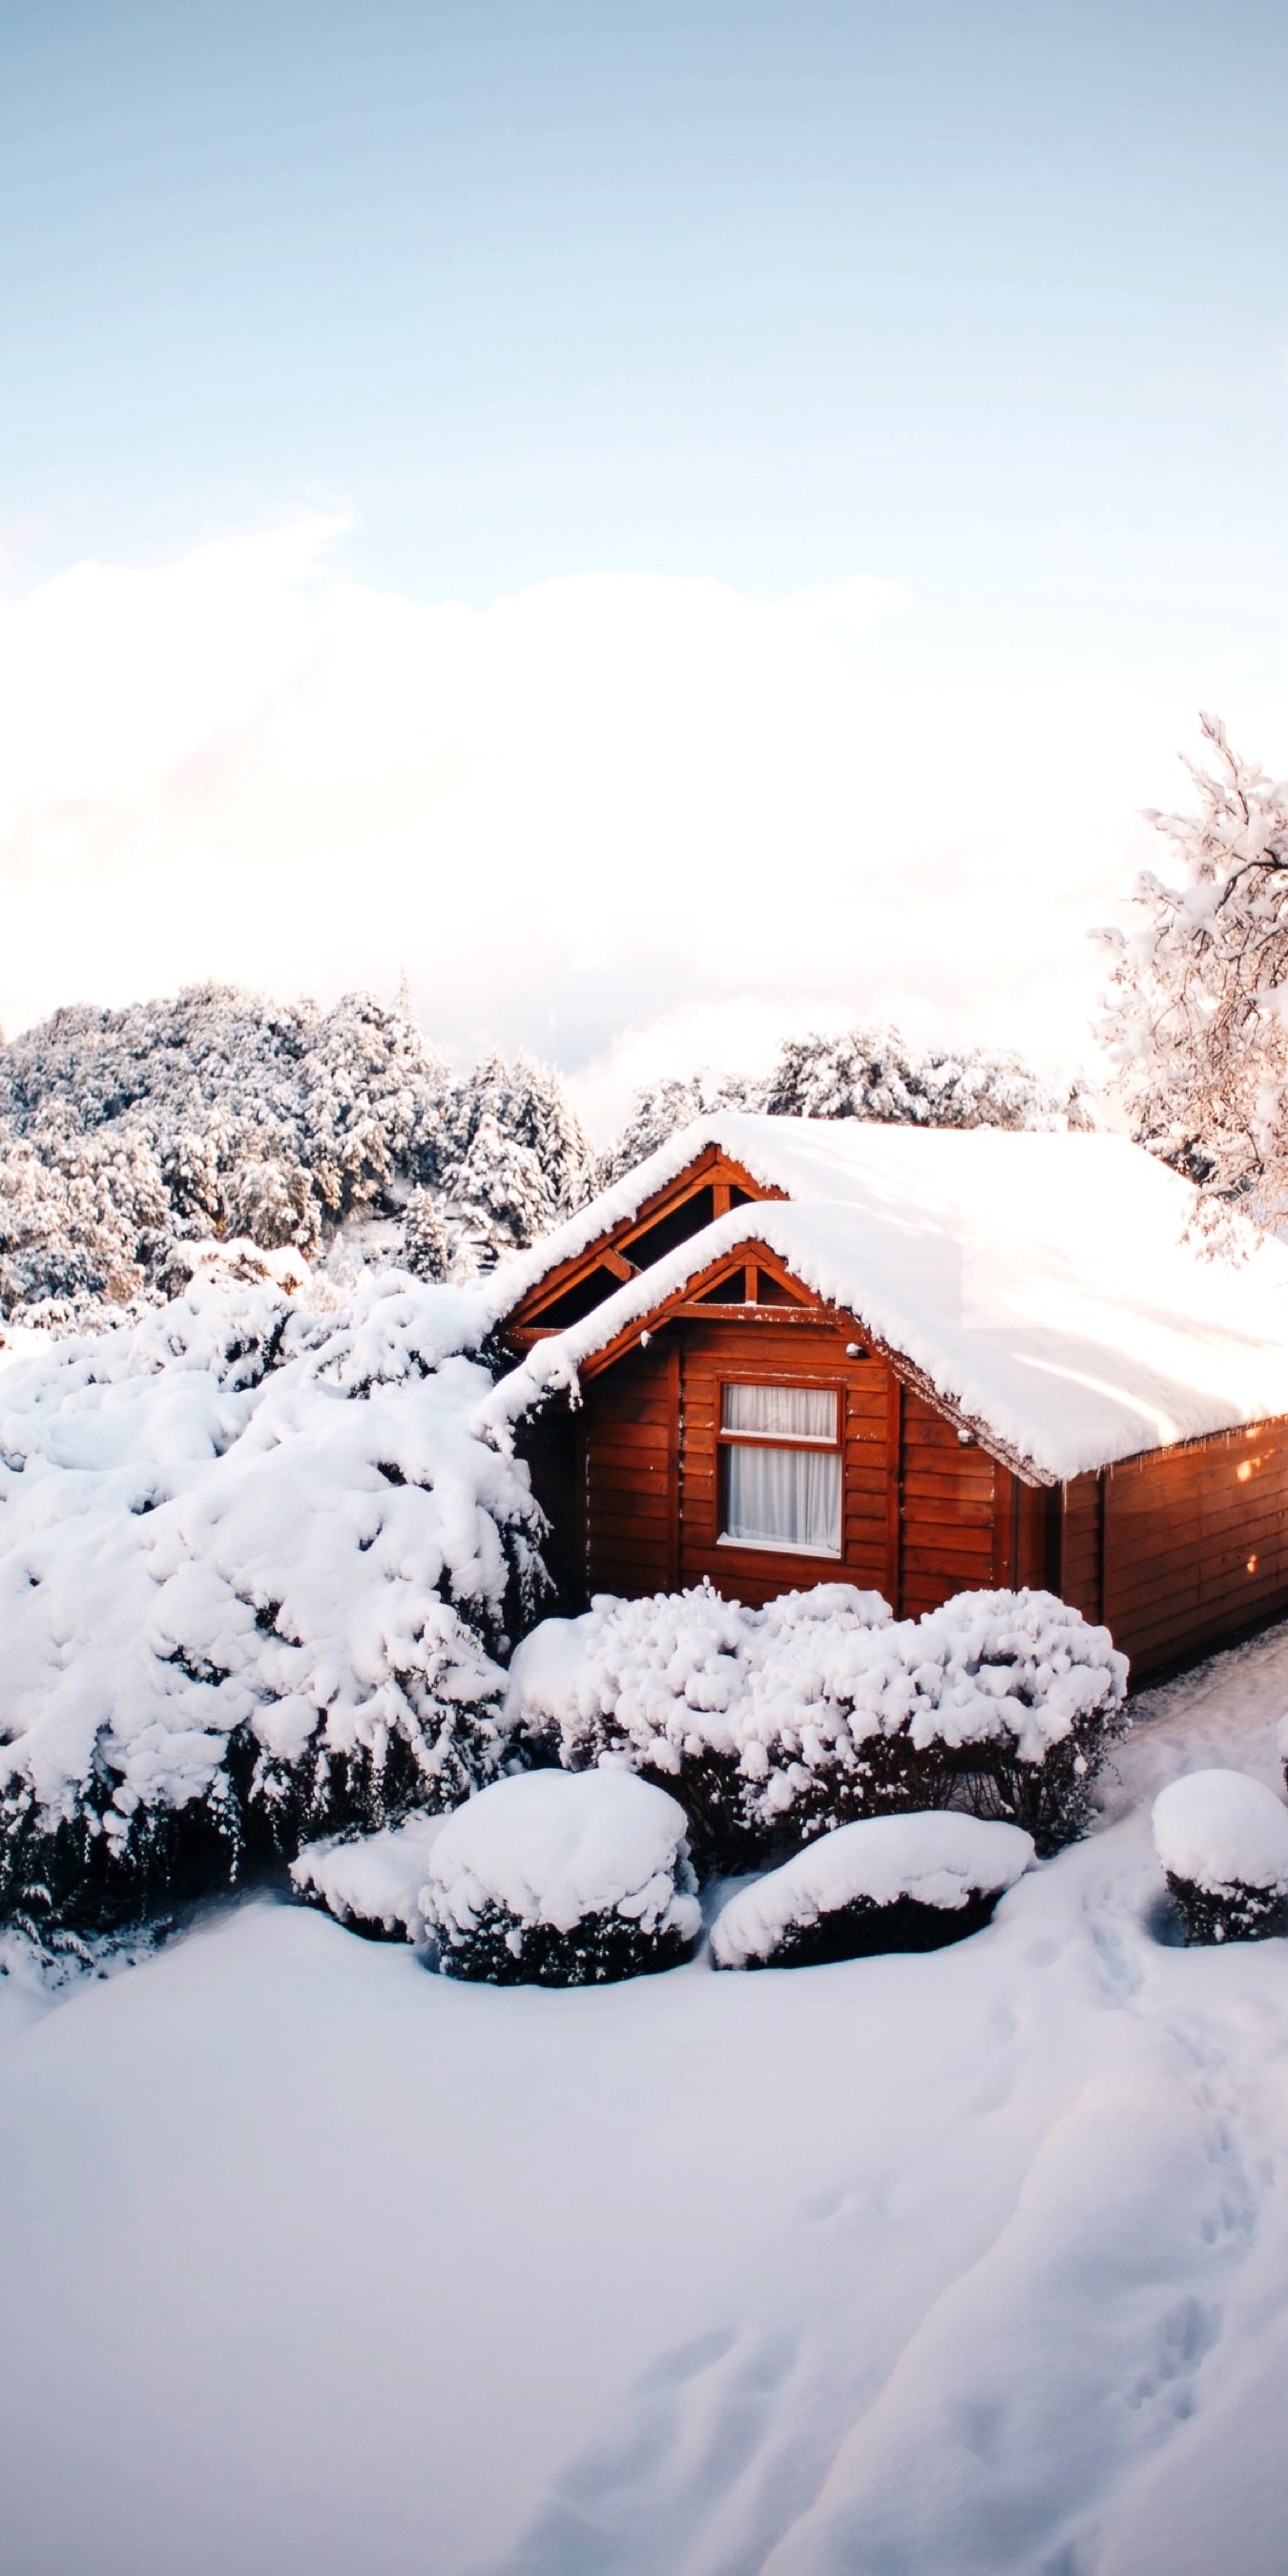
(803, 1353)
(1080, 1574)
(920, 1508)
(1173, 1551)
(629, 1467)
(948, 1522)
(1195, 1543)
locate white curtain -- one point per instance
(788, 1498)
(780, 1412)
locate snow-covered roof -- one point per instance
(1041, 1284)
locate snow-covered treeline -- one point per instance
(128, 1136)
(867, 1073)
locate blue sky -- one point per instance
(991, 298)
(988, 302)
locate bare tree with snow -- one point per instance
(1197, 1013)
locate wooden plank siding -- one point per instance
(1175, 1550)
(629, 1475)
(1195, 1543)
(948, 1505)
(1082, 1542)
(650, 1463)
(803, 1354)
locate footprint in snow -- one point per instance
(639, 2499)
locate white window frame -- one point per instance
(833, 1444)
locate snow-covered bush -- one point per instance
(1222, 1839)
(775, 1725)
(1023, 1697)
(370, 1881)
(893, 1883)
(254, 1570)
(552, 1880)
(736, 1711)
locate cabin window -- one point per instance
(781, 1468)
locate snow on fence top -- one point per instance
(1222, 1829)
(1042, 1284)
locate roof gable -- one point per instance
(621, 1233)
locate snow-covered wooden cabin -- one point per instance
(919, 1360)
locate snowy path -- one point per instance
(976, 2262)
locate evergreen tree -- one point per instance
(127, 1135)
(868, 1073)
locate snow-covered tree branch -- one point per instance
(1197, 1014)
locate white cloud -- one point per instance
(622, 819)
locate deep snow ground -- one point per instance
(943, 2266)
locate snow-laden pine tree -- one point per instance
(426, 1243)
(1197, 1013)
(867, 1073)
(510, 1156)
(875, 1073)
(662, 1108)
(127, 1135)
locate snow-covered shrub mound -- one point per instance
(775, 1725)
(254, 1567)
(549, 1879)
(1222, 1839)
(1023, 1698)
(726, 1706)
(891, 1883)
(370, 1881)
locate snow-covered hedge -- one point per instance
(254, 1568)
(891, 1883)
(372, 1882)
(1222, 1839)
(549, 1880)
(775, 1725)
